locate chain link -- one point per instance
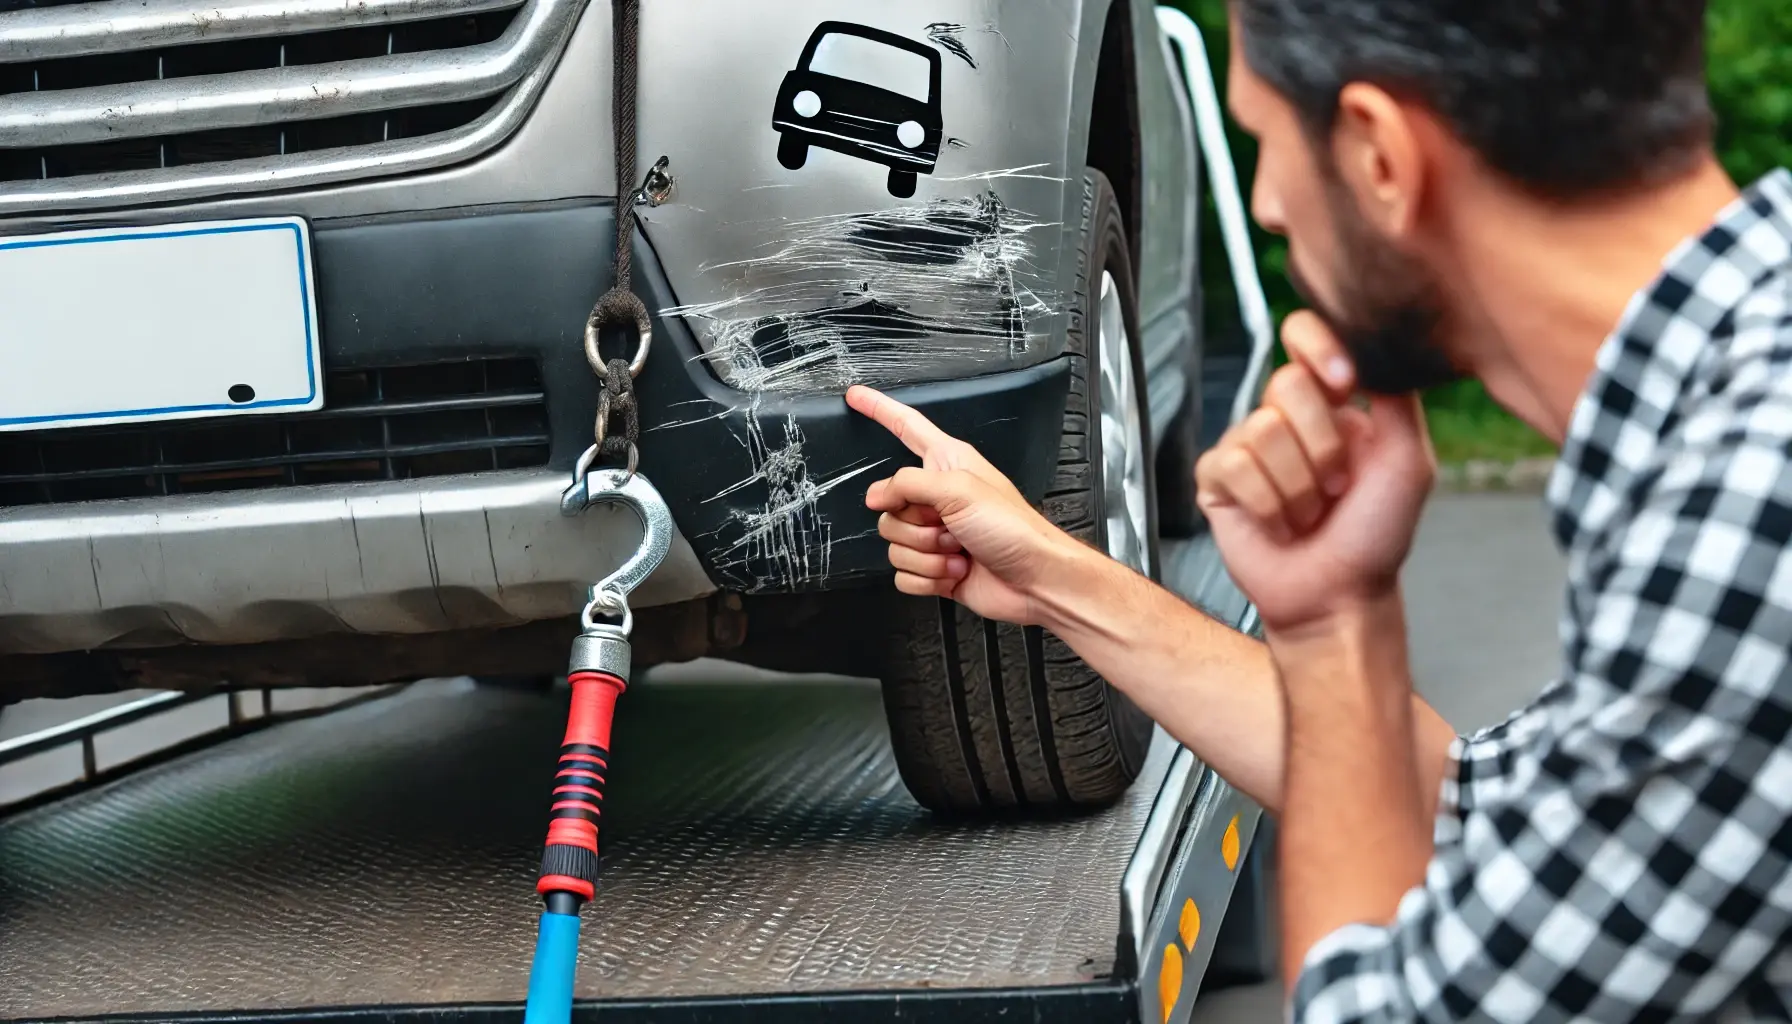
(617, 401)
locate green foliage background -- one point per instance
(1750, 67)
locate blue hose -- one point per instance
(550, 980)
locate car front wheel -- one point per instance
(986, 716)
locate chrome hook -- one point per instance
(635, 493)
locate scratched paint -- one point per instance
(911, 291)
(878, 297)
(950, 37)
(786, 541)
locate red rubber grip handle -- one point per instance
(593, 709)
(569, 863)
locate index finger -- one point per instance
(1312, 344)
(914, 430)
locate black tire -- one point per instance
(1178, 515)
(989, 717)
(902, 184)
(793, 152)
(1186, 438)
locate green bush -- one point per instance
(1750, 70)
(1749, 46)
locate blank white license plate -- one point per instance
(128, 325)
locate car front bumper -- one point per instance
(405, 556)
(767, 489)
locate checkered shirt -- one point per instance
(1621, 850)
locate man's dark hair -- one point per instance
(1564, 97)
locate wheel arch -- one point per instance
(1112, 139)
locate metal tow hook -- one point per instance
(603, 646)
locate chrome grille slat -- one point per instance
(260, 174)
(113, 27)
(207, 102)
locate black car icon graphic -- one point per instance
(866, 93)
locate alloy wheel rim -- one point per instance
(1122, 438)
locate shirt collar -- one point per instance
(1645, 366)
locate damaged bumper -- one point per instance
(767, 489)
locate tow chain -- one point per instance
(620, 306)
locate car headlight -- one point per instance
(806, 103)
(910, 134)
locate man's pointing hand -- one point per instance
(957, 527)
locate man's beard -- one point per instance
(1389, 314)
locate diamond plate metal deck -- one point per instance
(757, 841)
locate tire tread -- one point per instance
(994, 717)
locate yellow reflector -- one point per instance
(1169, 979)
(1190, 925)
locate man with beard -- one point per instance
(1525, 193)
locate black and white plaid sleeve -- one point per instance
(1619, 851)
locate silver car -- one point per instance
(292, 300)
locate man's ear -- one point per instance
(1378, 154)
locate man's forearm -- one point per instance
(1212, 688)
(1355, 828)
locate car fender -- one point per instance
(747, 242)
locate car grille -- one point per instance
(185, 149)
(105, 100)
(385, 424)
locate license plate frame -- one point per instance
(144, 324)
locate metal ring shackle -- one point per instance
(623, 308)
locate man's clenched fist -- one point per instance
(1312, 500)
